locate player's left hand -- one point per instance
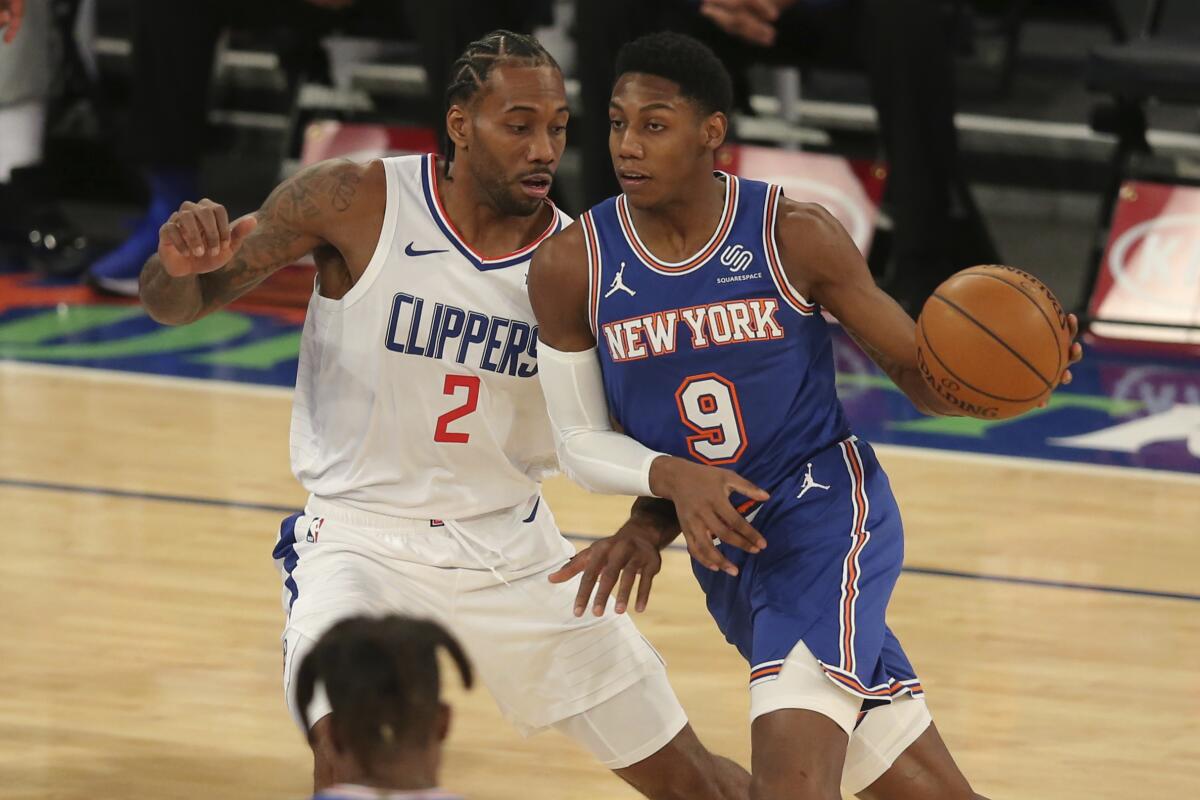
(616, 561)
(1076, 353)
(11, 14)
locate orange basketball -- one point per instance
(993, 341)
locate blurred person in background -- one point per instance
(173, 51)
(904, 47)
(25, 73)
(174, 45)
(388, 724)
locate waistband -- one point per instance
(340, 511)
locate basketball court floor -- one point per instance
(1051, 601)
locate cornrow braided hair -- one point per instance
(473, 68)
(381, 678)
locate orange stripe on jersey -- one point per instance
(859, 538)
(714, 244)
(765, 671)
(858, 688)
(591, 242)
(790, 295)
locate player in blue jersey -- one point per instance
(388, 721)
(688, 310)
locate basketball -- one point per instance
(993, 341)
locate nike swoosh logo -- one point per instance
(408, 251)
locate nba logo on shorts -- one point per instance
(314, 530)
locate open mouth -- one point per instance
(536, 185)
(630, 177)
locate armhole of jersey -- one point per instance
(592, 245)
(788, 292)
(383, 247)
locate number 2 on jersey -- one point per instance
(453, 382)
(708, 404)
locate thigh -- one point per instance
(826, 578)
(799, 682)
(541, 662)
(924, 771)
(625, 731)
(332, 570)
(884, 733)
(796, 753)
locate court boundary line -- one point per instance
(100, 375)
(241, 505)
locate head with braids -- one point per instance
(506, 120)
(669, 112)
(381, 677)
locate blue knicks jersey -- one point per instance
(716, 358)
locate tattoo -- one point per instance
(265, 251)
(289, 225)
(344, 187)
(299, 199)
(875, 355)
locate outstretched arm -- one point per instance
(822, 262)
(204, 262)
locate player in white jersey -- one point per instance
(419, 428)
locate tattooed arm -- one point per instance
(204, 261)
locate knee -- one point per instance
(795, 786)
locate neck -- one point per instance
(403, 771)
(483, 226)
(686, 220)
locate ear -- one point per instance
(458, 126)
(442, 724)
(715, 128)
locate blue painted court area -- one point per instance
(1125, 407)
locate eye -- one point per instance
(655, 126)
(616, 124)
(559, 129)
(518, 128)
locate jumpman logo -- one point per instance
(618, 284)
(809, 483)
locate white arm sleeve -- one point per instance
(590, 452)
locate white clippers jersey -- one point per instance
(417, 393)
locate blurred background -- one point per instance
(143, 469)
(960, 131)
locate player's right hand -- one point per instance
(750, 20)
(701, 497)
(199, 238)
(631, 552)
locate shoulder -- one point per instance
(807, 222)
(813, 245)
(562, 251)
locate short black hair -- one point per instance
(381, 678)
(701, 76)
(470, 72)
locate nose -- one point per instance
(628, 145)
(542, 149)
